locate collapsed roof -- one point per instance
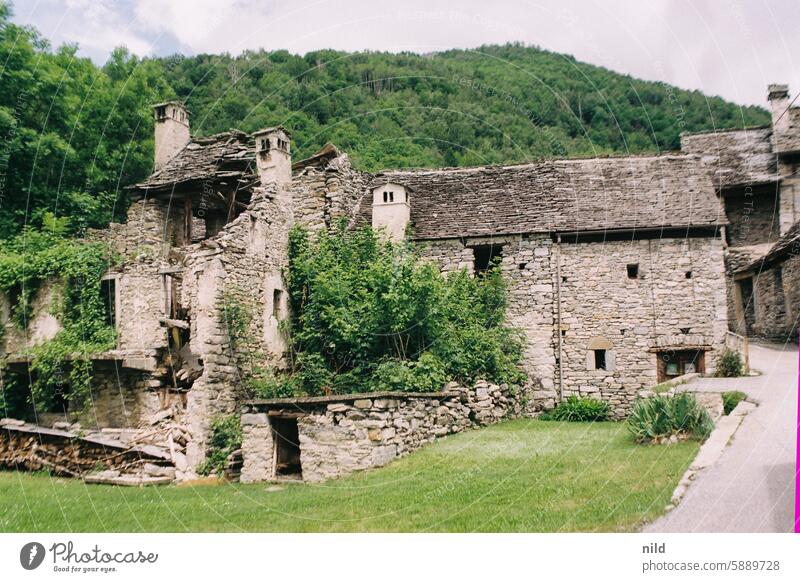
(227, 157)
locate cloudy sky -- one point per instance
(732, 48)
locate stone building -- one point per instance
(616, 269)
(754, 171)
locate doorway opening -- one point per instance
(286, 437)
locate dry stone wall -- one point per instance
(340, 435)
(677, 300)
(776, 292)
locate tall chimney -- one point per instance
(172, 131)
(273, 157)
(778, 98)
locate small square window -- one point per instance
(688, 274)
(486, 257)
(633, 270)
(599, 359)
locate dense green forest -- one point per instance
(73, 134)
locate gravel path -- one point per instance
(751, 487)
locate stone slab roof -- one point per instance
(558, 196)
(788, 140)
(224, 156)
(737, 157)
(786, 246)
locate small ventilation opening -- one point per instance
(633, 270)
(287, 447)
(277, 294)
(688, 274)
(599, 359)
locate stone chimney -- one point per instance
(391, 209)
(171, 132)
(273, 157)
(778, 98)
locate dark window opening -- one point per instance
(108, 294)
(277, 294)
(161, 112)
(599, 359)
(563, 279)
(522, 266)
(487, 257)
(633, 270)
(287, 447)
(779, 279)
(386, 197)
(391, 196)
(688, 274)
(748, 303)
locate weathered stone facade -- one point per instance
(618, 272)
(755, 173)
(342, 434)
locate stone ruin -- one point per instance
(623, 272)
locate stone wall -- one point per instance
(242, 264)
(120, 398)
(322, 196)
(526, 264)
(777, 301)
(752, 212)
(142, 243)
(637, 316)
(41, 326)
(677, 301)
(342, 434)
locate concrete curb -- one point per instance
(712, 449)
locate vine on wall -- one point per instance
(60, 367)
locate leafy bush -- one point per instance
(731, 399)
(664, 416)
(61, 366)
(576, 409)
(226, 437)
(373, 315)
(730, 364)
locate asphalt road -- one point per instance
(751, 487)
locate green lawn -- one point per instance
(523, 475)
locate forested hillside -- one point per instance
(73, 134)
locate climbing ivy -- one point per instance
(60, 367)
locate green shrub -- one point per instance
(663, 416)
(371, 315)
(731, 399)
(61, 366)
(226, 437)
(576, 409)
(730, 364)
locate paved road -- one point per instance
(751, 487)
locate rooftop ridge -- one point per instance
(666, 155)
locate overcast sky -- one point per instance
(732, 48)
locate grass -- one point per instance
(522, 475)
(731, 399)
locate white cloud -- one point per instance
(730, 47)
(194, 23)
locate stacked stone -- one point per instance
(340, 435)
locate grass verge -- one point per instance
(522, 475)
